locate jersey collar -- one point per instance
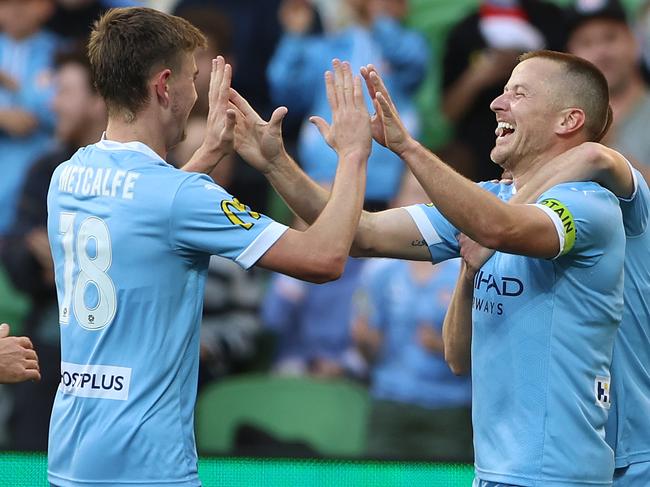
(134, 145)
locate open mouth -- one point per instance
(504, 129)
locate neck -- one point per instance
(139, 130)
(526, 169)
(91, 134)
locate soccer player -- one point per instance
(628, 424)
(550, 299)
(18, 360)
(131, 237)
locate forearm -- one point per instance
(334, 229)
(305, 197)
(457, 327)
(203, 161)
(587, 162)
(475, 212)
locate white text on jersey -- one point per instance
(90, 181)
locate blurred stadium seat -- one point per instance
(294, 414)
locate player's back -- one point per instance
(628, 425)
(129, 311)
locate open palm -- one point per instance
(257, 141)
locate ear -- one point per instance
(161, 86)
(571, 121)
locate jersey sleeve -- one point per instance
(206, 219)
(635, 209)
(586, 218)
(439, 234)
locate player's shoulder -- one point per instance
(587, 192)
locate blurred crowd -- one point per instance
(380, 324)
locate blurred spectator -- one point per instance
(642, 30)
(231, 323)
(254, 31)
(419, 409)
(599, 32)
(26, 121)
(375, 36)
(311, 324)
(72, 19)
(481, 51)
(81, 118)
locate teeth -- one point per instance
(505, 125)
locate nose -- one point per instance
(499, 103)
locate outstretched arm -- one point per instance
(391, 233)
(477, 213)
(319, 253)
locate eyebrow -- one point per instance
(516, 86)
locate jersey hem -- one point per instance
(66, 482)
(627, 460)
(533, 482)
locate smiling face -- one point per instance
(526, 112)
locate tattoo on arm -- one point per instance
(418, 243)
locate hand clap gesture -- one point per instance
(387, 127)
(350, 129)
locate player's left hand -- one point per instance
(220, 126)
(257, 141)
(474, 254)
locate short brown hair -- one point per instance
(126, 44)
(586, 88)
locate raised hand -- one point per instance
(220, 128)
(258, 142)
(350, 130)
(387, 127)
(474, 254)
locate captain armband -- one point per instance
(566, 219)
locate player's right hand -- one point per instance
(220, 126)
(387, 127)
(474, 255)
(18, 360)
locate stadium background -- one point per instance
(434, 18)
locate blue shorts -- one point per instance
(634, 475)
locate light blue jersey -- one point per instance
(628, 426)
(543, 333)
(131, 238)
